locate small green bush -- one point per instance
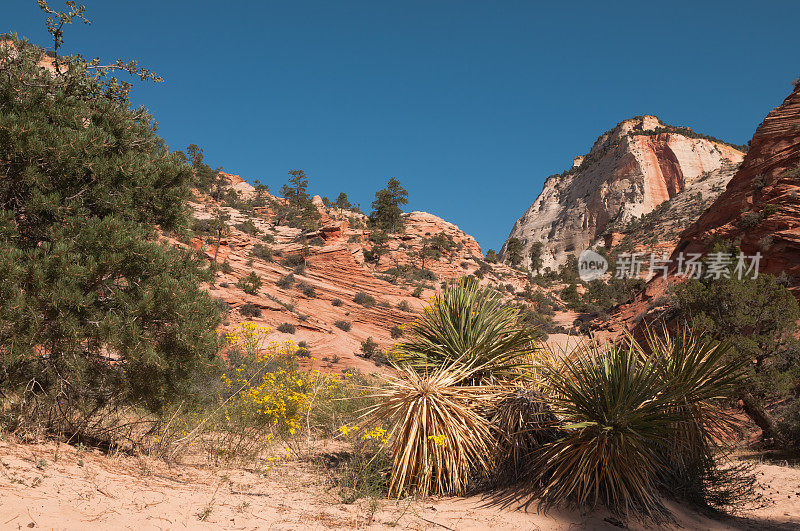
(336, 302)
(262, 252)
(307, 289)
(368, 348)
(396, 332)
(404, 306)
(364, 299)
(248, 227)
(286, 281)
(343, 325)
(293, 260)
(250, 284)
(286, 328)
(250, 310)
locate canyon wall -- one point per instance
(629, 171)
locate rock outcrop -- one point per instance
(629, 171)
(319, 296)
(760, 209)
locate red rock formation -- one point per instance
(760, 209)
(336, 271)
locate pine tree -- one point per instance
(97, 312)
(295, 191)
(342, 202)
(300, 210)
(535, 254)
(386, 213)
(514, 251)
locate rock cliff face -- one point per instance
(760, 209)
(629, 171)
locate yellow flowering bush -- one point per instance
(268, 387)
(365, 472)
(250, 336)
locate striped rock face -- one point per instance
(629, 171)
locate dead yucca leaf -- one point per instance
(524, 423)
(438, 438)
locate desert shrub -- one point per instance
(410, 273)
(343, 325)
(396, 331)
(248, 227)
(336, 302)
(286, 281)
(307, 289)
(83, 273)
(634, 424)
(262, 395)
(368, 348)
(262, 252)
(250, 310)
(404, 306)
(286, 328)
(758, 317)
(293, 260)
(250, 284)
(364, 299)
(361, 473)
(749, 220)
(438, 440)
(317, 241)
(226, 267)
(417, 292)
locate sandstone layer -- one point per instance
(629, 171)
(759, 211)
(321, 297)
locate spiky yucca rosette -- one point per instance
(637, 422)
(439, 440)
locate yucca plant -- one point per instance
(439, 437)
(524, 423)
(472, 324)
(707, 375)
(631, 417)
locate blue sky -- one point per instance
(471, 105)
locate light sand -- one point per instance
(56, 486)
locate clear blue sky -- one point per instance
(470, 104)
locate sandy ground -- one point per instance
(56, 486)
